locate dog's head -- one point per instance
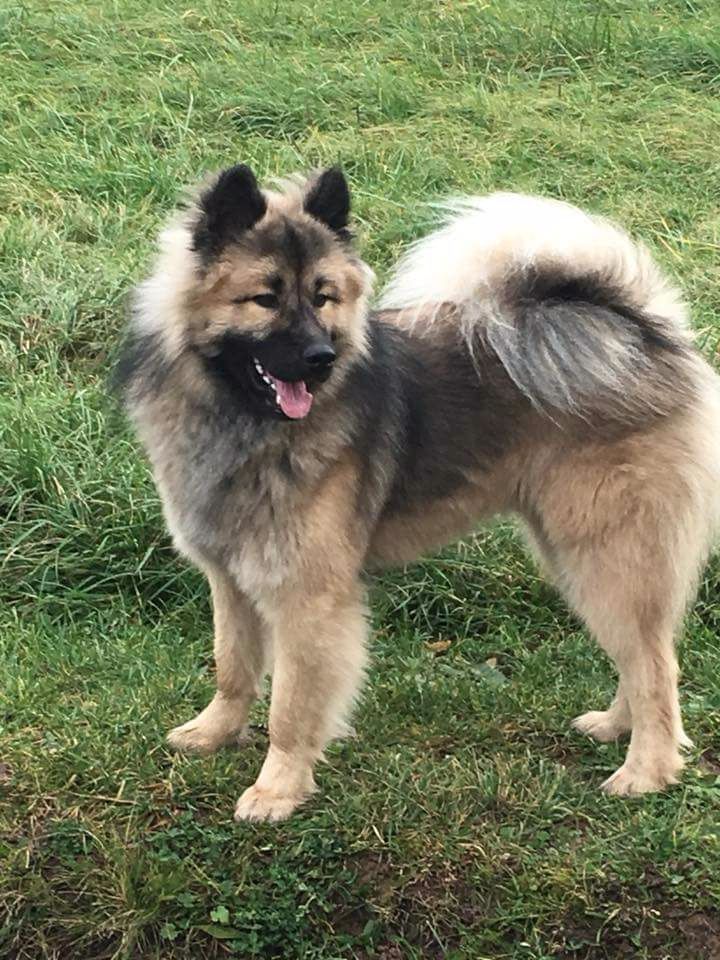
(277, 301)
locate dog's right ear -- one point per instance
(232, 205)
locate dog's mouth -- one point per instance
(291, 398)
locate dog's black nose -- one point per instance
(319, 355)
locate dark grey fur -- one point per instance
(577, 345)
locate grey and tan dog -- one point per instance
(527, 358)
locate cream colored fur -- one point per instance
(623, 523)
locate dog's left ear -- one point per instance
(328, 200)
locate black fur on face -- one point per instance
(246, 365)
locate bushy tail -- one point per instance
(579, 315)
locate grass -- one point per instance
(465, 820)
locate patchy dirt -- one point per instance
(709, 763)
(701, 930)
(390, 951)
(666, 930)
(441, 894)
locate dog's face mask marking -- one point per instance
(280, 303)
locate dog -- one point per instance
(526, 358)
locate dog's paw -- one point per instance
(685, 741)
(601, 725)
(632, 781)
(194, 737)
(257, 804)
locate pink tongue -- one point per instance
(294, 399)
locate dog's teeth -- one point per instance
(258, 366)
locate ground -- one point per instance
(465, 819)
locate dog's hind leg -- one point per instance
(643, 651)
(239, 660)
(610, 724)
(632, 599)
(603, 725)
(629, 534)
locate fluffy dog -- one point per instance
(527, 358)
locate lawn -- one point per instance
(465, 820)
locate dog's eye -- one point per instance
(267, 300)
(320, 299)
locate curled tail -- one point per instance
(579, 315)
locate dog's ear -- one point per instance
(233, 204)
(328, 200)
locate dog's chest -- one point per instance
(231, 505)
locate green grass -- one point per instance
(465, 820)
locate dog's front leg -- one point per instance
(319, 642)
(240, 657)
